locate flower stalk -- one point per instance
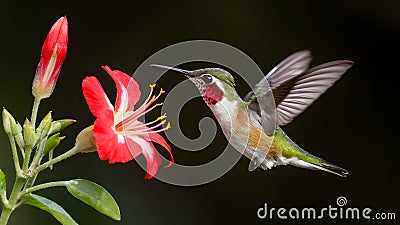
(117, 135)
(25, 138)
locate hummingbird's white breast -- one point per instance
(244, 132)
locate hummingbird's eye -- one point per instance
(207, 78)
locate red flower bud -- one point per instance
(54, 51)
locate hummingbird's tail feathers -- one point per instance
(319, 164)
(334, 169)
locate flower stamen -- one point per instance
(142, 110)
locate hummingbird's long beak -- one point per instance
(182, 71)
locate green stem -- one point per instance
(5, 215)
(67, 154)
(20, 182)
(28, 152)
(30, 181)
(15, 156)
(14, 197)
(35, 109)
(39, 154)
(43, 186)
(4, 198)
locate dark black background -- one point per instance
(354, 125)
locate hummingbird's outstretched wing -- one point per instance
(262, 101)
(290, 67)
(294, 94)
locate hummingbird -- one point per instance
(252, 124)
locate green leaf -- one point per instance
(49, 206)
(3, 185)
(95, 196)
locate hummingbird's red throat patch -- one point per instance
(213, 94)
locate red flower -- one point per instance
(119, 135)
(54, 51)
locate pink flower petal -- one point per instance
(128, 90)
(109, 144)
(117, 141)
(155, 137)
(153, 160)
(95, 96)
(133, 147)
